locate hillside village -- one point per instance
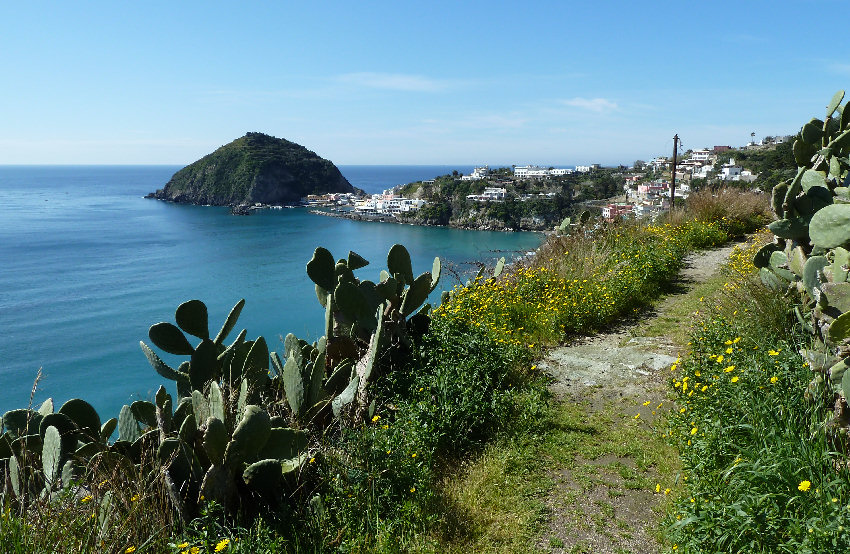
(536, 198)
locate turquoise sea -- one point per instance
(87, 265)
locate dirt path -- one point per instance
(616, 372)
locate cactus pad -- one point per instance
(192, 317)
(169, 338)
(356, 261)
(320, 269)
(230, 322)
(249, 436)
(263, 476)
(789, 228)
(398, 261)
(51, 455)
(830, 227)
(204, 365)
(215, 440)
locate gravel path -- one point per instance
(614, 370)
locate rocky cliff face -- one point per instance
(254, 168)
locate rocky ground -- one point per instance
(606, 504)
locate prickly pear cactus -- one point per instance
(367, 326)
(210, 360)
(44, 451)
(809, 256)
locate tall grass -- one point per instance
(106, 512)
(738, 211)
(580, 283)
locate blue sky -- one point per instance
(411, 82)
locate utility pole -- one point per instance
(673, 180)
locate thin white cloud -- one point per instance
(597, 105)
(395, 81)
(840, 68)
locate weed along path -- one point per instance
(610, 463)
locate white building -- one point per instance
(368, 206)
(748, 176)
(399, 205)
(529, 171)
(523, 171)
(477, 174)
(535, 171)
(659, 163)
(703, 171)
(702, 155)
(730, 171)
(689, 165)
(490, 194)
(387, 204)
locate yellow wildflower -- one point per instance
(804, 485)
(222, 544)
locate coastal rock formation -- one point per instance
(256, 168)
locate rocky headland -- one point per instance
(254, 169)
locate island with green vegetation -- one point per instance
(254, 169)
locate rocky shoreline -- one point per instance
(483, 226)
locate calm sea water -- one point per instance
(87, 265)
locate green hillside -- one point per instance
(254, 168)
